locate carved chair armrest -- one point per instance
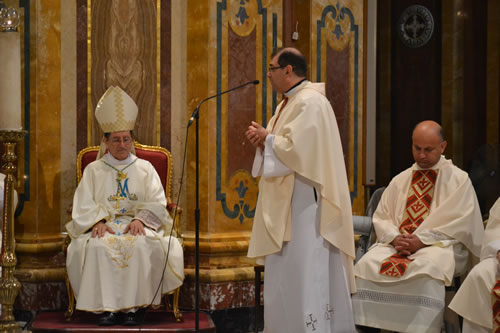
(172, 207)
(65, 245)
(69, 209)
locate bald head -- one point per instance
(427, 143)
(429, 127)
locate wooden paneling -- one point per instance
(474, 98)
(415, 83)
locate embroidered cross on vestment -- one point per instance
(311, 322)
(418, 204)
(495, 301)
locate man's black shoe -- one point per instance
(134, 318)
(109, 318)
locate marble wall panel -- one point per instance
(337, 91)
(222, 295)
(234, 49)
(338, 58)
(165, 122)
(39, 157)
(241, 104)
(125, 43)
(44, 296)
(81, 75)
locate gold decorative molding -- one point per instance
(38, 275)
(9, 285)
(39, 247)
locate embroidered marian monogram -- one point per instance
(417, 209)
(495, 300)
(121, 190)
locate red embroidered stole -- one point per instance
(285, 100)
(495, 300)
(418, 205)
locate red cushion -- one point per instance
(158, 159)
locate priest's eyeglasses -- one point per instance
(117, 141)
(272, 69)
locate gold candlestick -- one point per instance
(9, 285)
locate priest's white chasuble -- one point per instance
(303, 224)
(120, 271)
(477, 299)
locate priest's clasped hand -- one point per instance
(256, 134)
(407, 244)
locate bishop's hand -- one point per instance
(136, 227)
(100, 228)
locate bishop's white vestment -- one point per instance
(414, 301)
(303, 220)
(473, 300)
(120, 272)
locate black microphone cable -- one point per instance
(174, 217)
(194, 115)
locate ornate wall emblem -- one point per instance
(415, 26)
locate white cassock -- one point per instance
(120, 271)
(306, 284)
(473, 300)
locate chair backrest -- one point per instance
(363, 225)
(373, 202)
(159, 157)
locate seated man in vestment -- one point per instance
(426, 222)
(479, 294)
(121, 258)
(303, 221)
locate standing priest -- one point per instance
(303, 220)
(120, 228)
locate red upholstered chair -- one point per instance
(161, 159)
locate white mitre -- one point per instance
(115, 112)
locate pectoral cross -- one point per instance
(120, 191)
(121, 176)
(117, 197)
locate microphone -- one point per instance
(195, 112)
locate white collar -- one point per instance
(113, 161)
(294, 89)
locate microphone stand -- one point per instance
(196, 116)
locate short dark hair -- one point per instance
(292, 57)
(107, 134)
